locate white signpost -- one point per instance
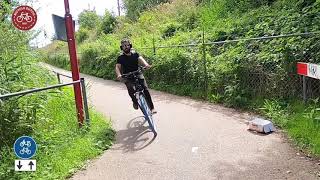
(25, 165)
(308, 70)
(25, 147)
(314, 71)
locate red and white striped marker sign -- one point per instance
(308, 69)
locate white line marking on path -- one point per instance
(194, 149)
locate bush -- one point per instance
(89, 19)
(169, 30)
(61, 60)
(18, 71)
(82, 35)
(98, 59)
(135, 8)
(108, 23)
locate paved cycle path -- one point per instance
(196, 140)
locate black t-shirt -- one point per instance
(128, 63)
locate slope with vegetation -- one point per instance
(49, 117)
(256, 75)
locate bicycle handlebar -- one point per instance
(140, 69)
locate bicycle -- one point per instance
(24, 143)
(24, 16)
(140, 96)
(25, 150)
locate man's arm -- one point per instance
(143, 62)
(118, 71)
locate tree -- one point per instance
(108, 23)
(88, 19)
(135, 7)
(5, 6)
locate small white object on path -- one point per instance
(261, 125)
(194, 149)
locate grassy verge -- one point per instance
(62, 146)
(299, 121)
(304, 128)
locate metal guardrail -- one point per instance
(22, 93)
(59, 74)
(30, 91)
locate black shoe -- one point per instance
(135, 106)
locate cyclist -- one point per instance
(127, 62)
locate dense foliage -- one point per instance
(93, 25)
(135, 7)
(88, 19)
(234, 73)
(18, 71)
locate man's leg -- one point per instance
(131, 93)
(146, 92)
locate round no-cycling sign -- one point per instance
(25, 147)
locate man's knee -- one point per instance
(130, 88)
(144, 84)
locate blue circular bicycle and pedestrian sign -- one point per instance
(25, 147)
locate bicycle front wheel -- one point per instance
(147, 113)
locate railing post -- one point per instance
(154, 45)
(205, 65)
(58, 77)
(304, 89)
(85, 101)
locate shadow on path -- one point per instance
(137, 136)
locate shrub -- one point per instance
(18, 71)
(82, 35)
(108, 23)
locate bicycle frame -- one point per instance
(140, 96)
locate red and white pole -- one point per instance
(74, 62)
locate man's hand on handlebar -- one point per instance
(139, 71)
(119, 78)
(148, 66)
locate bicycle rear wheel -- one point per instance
(147, 113)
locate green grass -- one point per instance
(63, 148)
(304, 127)
(299, 121)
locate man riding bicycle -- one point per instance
(129, 61)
